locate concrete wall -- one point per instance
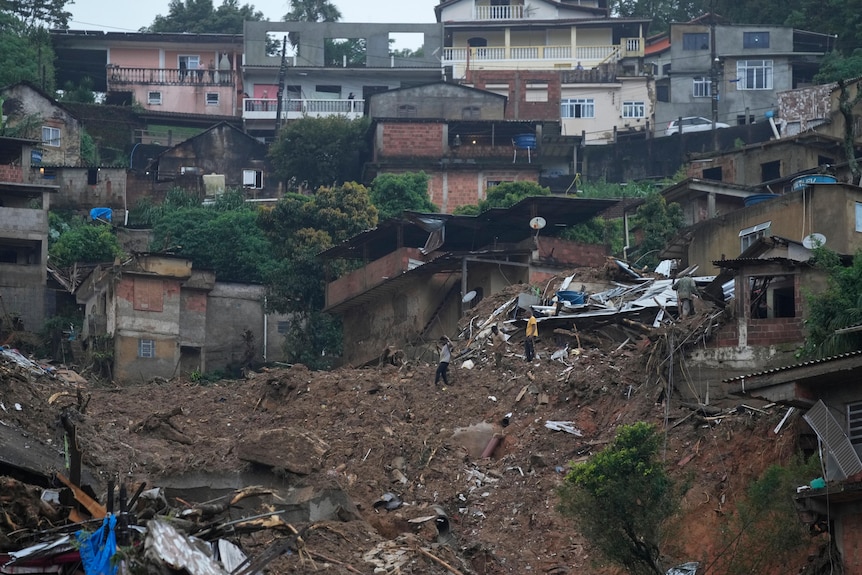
(312, 36)
(77, 193)
(231, 309)
(371, 275)
(828, 209)
(438, 102)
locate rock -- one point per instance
(295, 450)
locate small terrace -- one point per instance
(119, 76)
(292, 109)
(587, 55)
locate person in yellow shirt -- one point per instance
(532, 334)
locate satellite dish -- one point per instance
(469, 296)
(814, 240)
(538, 223)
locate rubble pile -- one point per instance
(377, 470)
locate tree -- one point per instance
(312, 11)
(38, 13)
(315, 152)
(85, 243)
(224, 237)
(200, 17)
(504, 195)
(658, 222)
(25, 53)
(837, 306)
(620, 498)
(391, 194)
(82, 93)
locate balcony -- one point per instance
(292, 109)
(118, 76)
(499, 13)
(547, 55)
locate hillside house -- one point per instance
(457, 135)
(416, 272)
(183, 73)
(317, 83)
(218, 159)
(23, 237)
(735, 70)
(165, 318)
(31, 113)
(827, 392)
(816, 108)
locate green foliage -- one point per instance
(620, 498)
(89, 153)
(320, 151)
(147, 213)
(507, 194)
(347, 52)
(38, 13)
(658, 222)
(598, 231)
(199, 16)
(26, 53)
(314, 340)
(467, 210)
(222, 237)
(55, 331)
(82, 93)
(766, 529)
(838, 306)
(391, 194)
(85, 243)
(836, 66)
(312, 11)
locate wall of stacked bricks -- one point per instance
(518, 108)
(411, 139)
(11, 174)
(468, 187)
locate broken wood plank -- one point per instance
(96, 509)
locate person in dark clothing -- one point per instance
(445, 358)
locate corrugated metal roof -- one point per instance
(795, 366)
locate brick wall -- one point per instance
(451, 189)
(412, 139)
(565, 253)
(518, 108)
(11, 174)
(774, 331)
(726, 336)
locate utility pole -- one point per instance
(282, 72)
(713, 71)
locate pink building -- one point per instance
(181, 73)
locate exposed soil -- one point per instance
(380, 423)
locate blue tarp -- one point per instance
(101, 214)
(98, 548)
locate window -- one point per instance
(252, 179)
(755, 39)
(406, 111)
(754, 75)
(146, 348)
(537, 92)
(51, 136)
(749, 235)
(471, 113)
(695, 41)
(772, 297)
(634, 110)
(770, 171)
(92, 176)
(212, 98)
(578, 108)
(700, 87)
(662, 93)
(859, 216)
(712, 174)
(283, 327)
(154, 98)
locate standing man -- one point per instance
(685, 288)
(445, 358)
(532, 334)
(499, 341)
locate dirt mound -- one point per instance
(386, 468)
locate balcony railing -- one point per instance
(499, 13)
(266, 108)
(587, 55)
(169, 76)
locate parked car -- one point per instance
(692, 124)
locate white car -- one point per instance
(692, 124)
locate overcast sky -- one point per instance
(126, 16)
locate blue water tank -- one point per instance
(572, 297)
(757, 198)
(805, 181)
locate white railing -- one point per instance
(499, 13)
(266, 108)
(593, 53)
